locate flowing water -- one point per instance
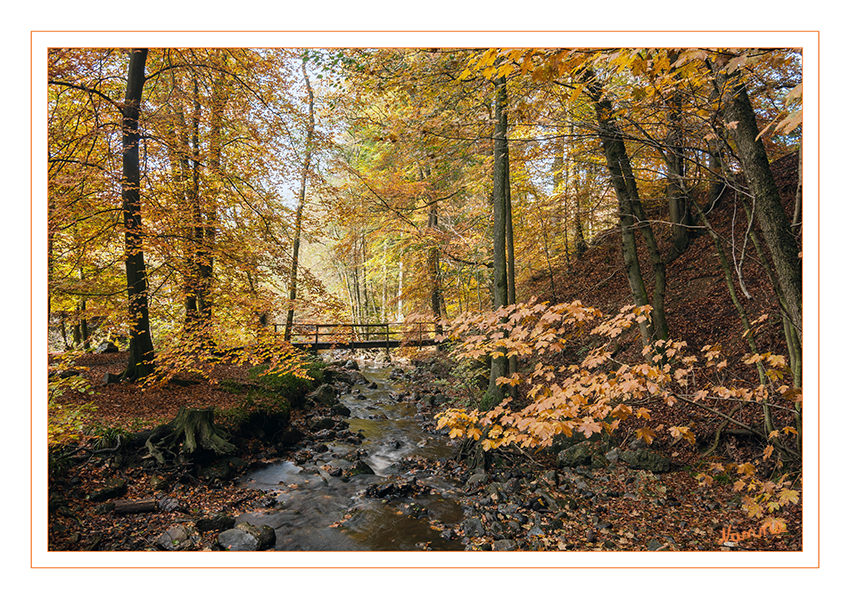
(317, 511)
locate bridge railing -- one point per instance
(346, 334)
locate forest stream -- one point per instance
(388, 510)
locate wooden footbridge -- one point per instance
(317, 336)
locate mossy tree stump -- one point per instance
(191, 430)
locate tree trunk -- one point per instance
(436, 295)
(499, 364)
(773, 221)
(677, 194)
(141, 354)
(571, 180)
(299, 212)
(400, 306)
(632, 216)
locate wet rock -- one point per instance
(301, 456)
(392, 490)
(235, 539)
(644, 459)
(359, 467)
(264, 534)
(216, 521)
(414, 510)
(351, 365)
(322, 423)
(325, 435)
(182, 537)
(324, 395)
(346, 377)
(340, 410)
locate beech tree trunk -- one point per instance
(631, 217)
(677, 194)
(499, 365)
(770, 214)
(436, 295)
(299, 212)
(141, 353)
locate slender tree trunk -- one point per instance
(559, 191)
(400, 306)
(384, 297)
(611, 145)
(299, 212)
(210, 203)
(436, 295)
(579, 242)
(141, 353)
(499, 364)
(677, 196)
(509, 225)
(632, 216)
(798, 195)
(195, 298)
(773, 222)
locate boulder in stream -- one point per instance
(324, 395)
(247, 537)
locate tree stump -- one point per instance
(192, 429)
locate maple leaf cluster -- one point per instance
(597, 394)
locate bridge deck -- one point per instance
(374, 344)
(320, 336)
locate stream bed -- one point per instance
(318, 508)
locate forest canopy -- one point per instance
(220, 194)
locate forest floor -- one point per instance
(700, 312)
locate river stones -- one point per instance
(247, 537)
(324, 395)
(216, 521)
(359, 467)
